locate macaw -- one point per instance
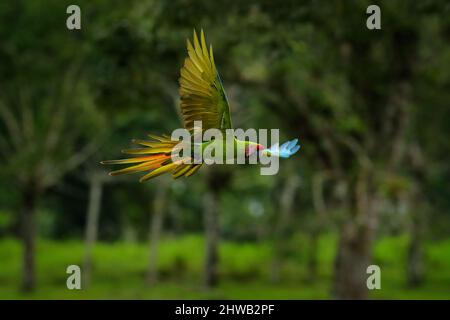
(203, 98)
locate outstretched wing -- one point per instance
(202, 94)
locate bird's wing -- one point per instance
(202, 94)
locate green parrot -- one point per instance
(203, 98)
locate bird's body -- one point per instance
(203, 100)
(228, 149)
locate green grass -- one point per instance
(245, 270)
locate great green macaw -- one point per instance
(203, 98)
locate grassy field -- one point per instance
(120, 268)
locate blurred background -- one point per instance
(369, 186)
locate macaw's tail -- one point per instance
(154, 157)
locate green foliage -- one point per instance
(309, 68)
(120, 268)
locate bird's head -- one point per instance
(253, 147)
(286, 150)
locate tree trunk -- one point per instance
(416, 268)
(175, 214)
(312, 254)
(353, 258)
(93, 213)
(156, 225)
(287, 198)
(317, 225)
(211, 218)
(356, 246)
(217, 180)
(29, 202)
(415, 259)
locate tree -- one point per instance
(281, 230)
(158, 209)
(217, 179)
(46, 136)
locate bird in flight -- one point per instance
(203, 100)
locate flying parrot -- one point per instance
(203, 98)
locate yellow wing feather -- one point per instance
(203, 97)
